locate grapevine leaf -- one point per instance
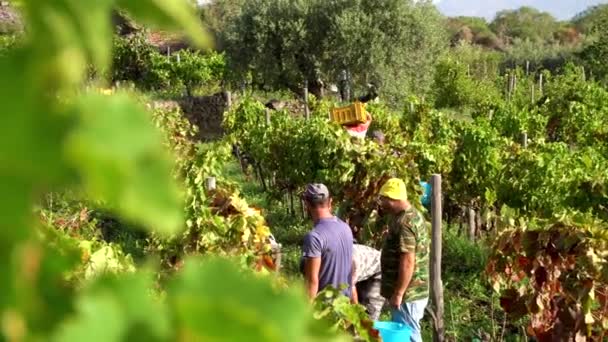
(100, 319)
(117, 309)
(32, 135)
(121, 161)
(252, 309)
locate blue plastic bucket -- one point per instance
(393, 332)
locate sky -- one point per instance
(562, 9)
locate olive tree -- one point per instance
(525, 23)
(281, 43)
(595, 54)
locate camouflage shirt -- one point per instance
(408, 232)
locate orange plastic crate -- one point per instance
(353, 114)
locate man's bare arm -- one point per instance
(353, 274)
(407, 262)
(312, 267)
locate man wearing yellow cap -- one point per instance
(405, 255)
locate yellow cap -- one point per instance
(395, 189)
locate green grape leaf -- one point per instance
(31, 135)
(121, 160)
(99, 319)
(117, 309)
(81, 32)
(95, 29)
(169, 14)
(236, 306)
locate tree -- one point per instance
(525, 23)
(595, 55)
(283, 43)
(395, 43)
(454, 87)
(219, 13)
(587, 21)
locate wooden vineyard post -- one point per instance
(472, 226)
(485, 69)
(532, 88)
(584, 74)
(527, 68)
(276, 251)
(524, 139)
(540, 85)
(306, 109)
(267, 117)
(228, 100)
(435, 270)
(210, 183)
(510, 86)
(478, 223)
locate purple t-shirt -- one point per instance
(332, 241)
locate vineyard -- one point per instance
(120, 220)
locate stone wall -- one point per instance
(206, 113)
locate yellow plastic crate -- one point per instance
(353, 114)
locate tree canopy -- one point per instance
(525, 23)
(283, 43)
(588, 20)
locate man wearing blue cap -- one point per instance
(328, 248)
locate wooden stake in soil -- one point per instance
(524, 139)
(471, 224)
(584, 74)
(228, 100)
(210, 183)
(478, 222)
(532, 95)
(540, 85)
(485, 69)
(306, 109)
(511, 86)
(435, 271)
(267, 117)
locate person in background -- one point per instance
(327, 249)
(405, 255)
(378, 137)
(359, 130)
(366, 277)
